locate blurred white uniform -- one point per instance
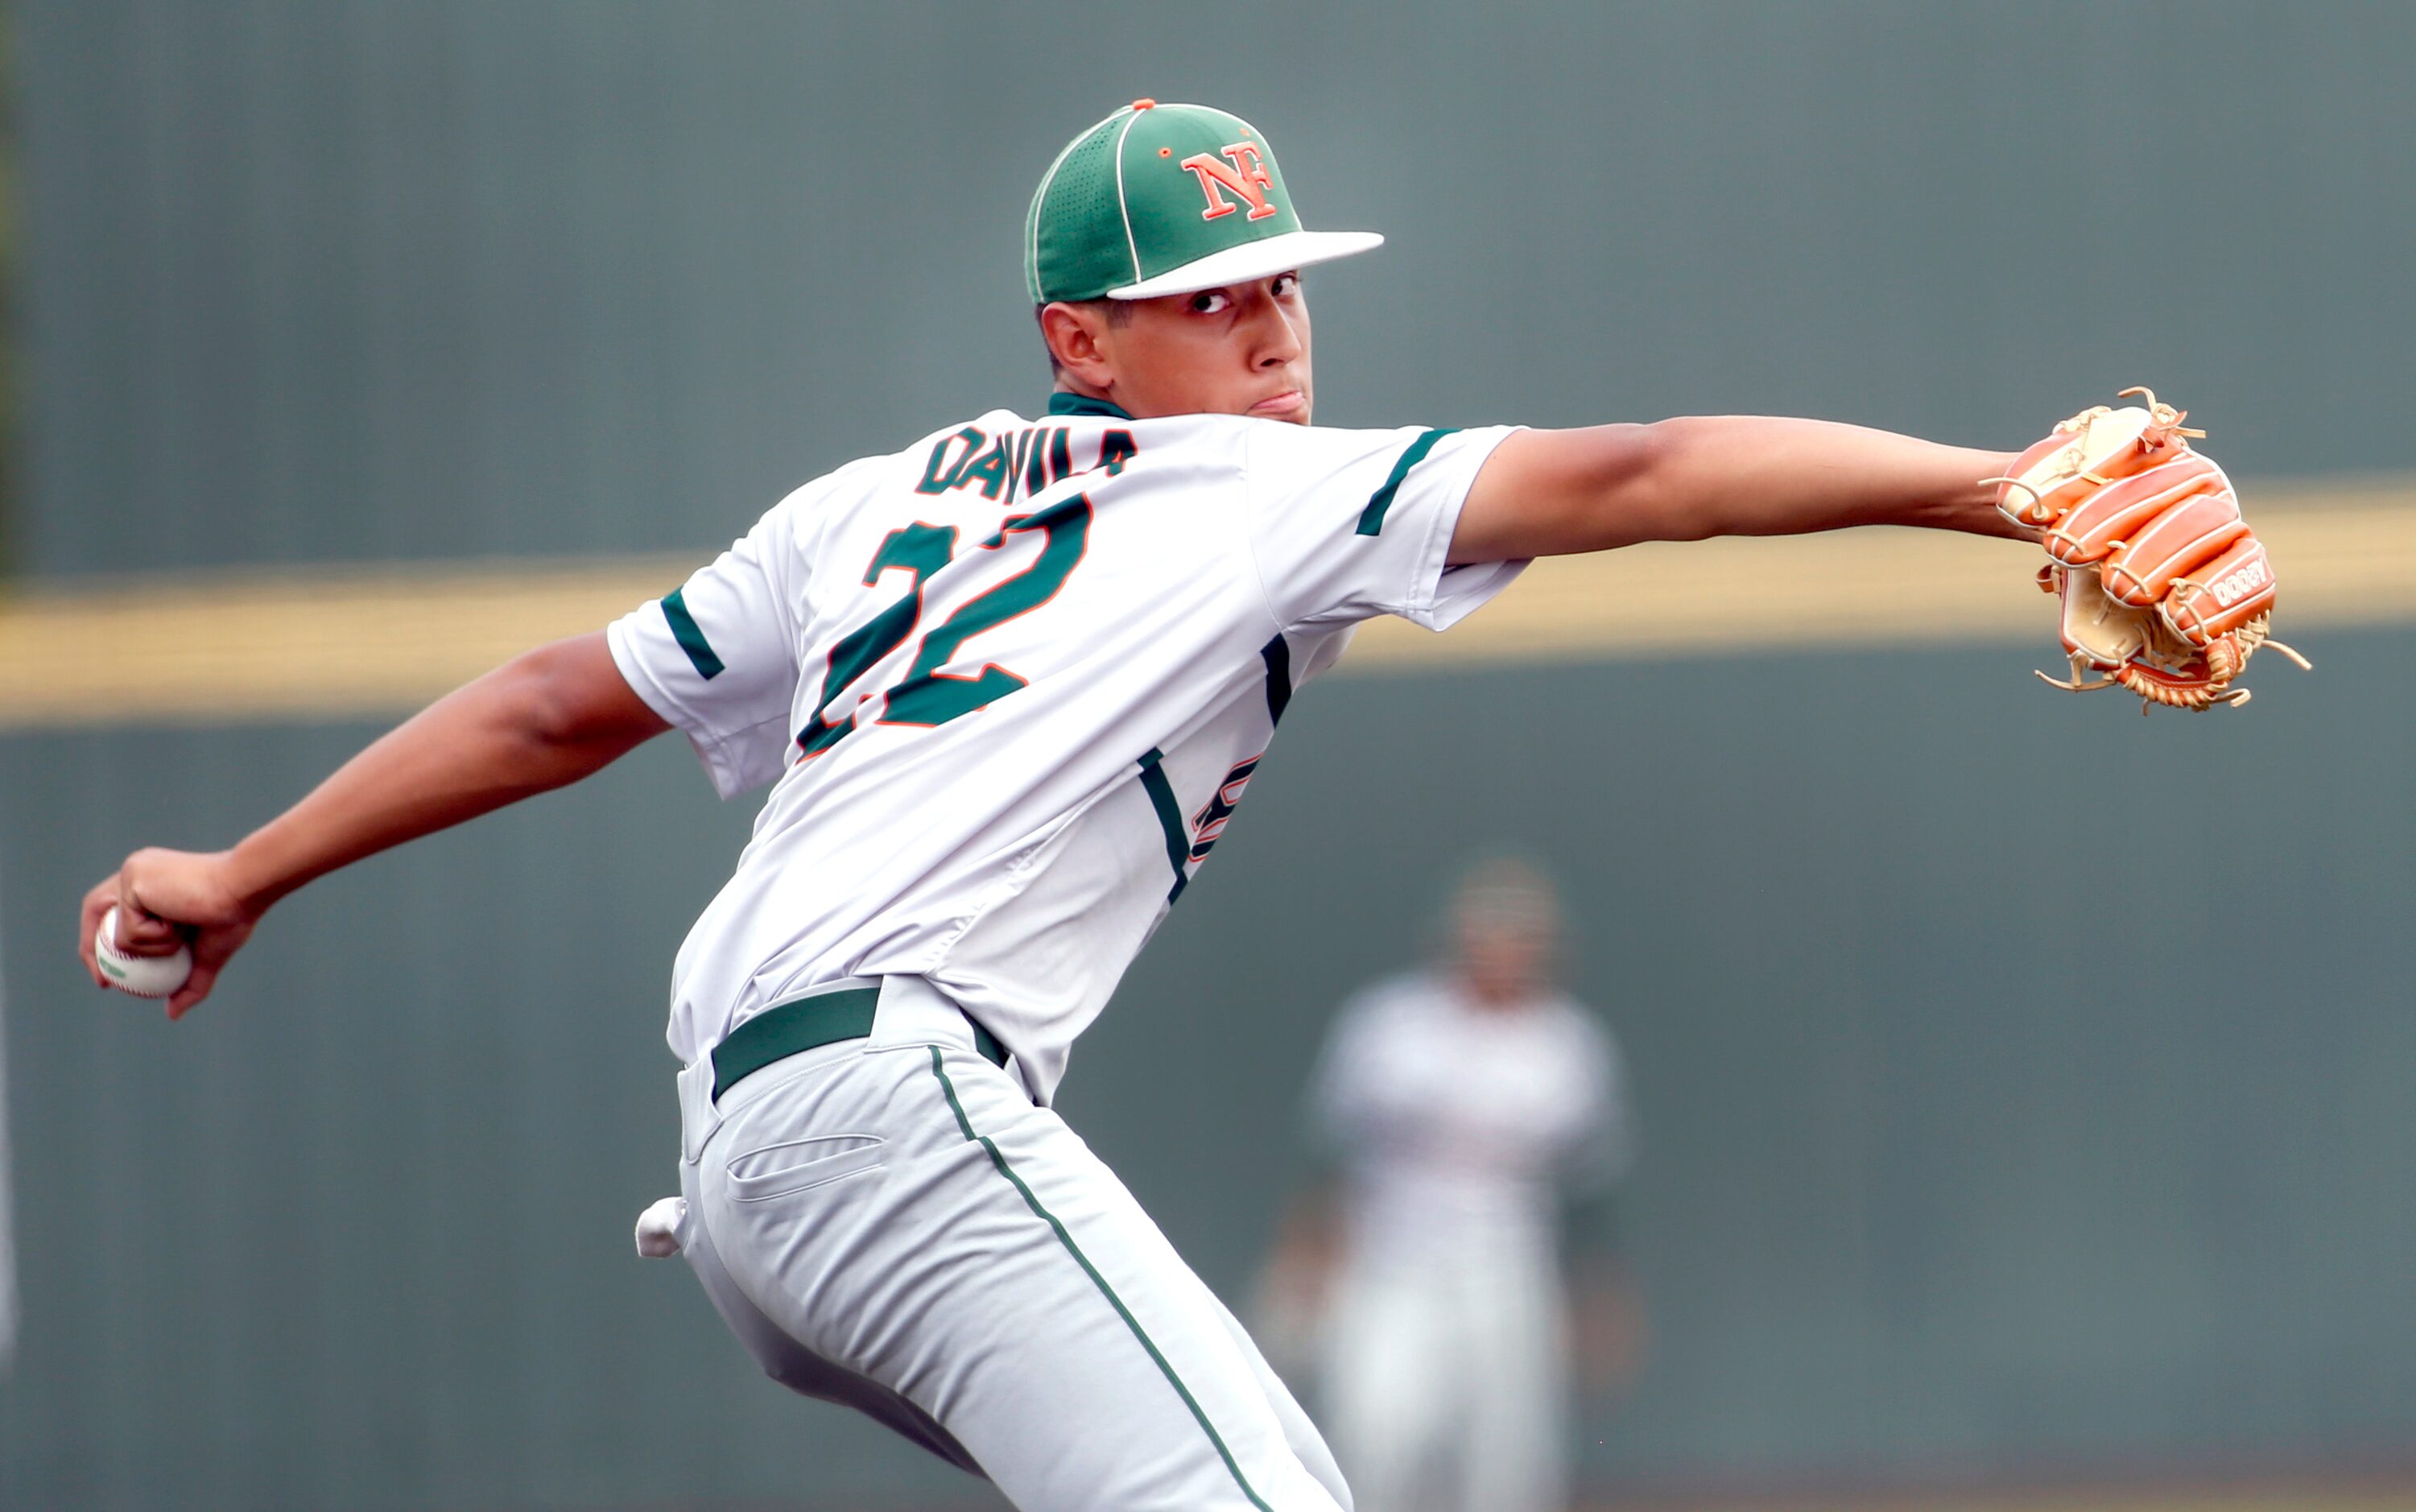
(1446, 1369)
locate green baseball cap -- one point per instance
(1167, 199)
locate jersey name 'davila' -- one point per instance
(1034, 458)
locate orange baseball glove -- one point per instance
(2166, 590)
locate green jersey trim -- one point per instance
(691, 640)
(1061, 402)
(1032, 1201)
(1276, 654)
(1371, 519)
(1169, 819)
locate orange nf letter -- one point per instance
(1247, 179)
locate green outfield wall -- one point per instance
(2006, 1108)
(440, 278)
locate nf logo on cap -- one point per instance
(1247, 179)
(1167, 199)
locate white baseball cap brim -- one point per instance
(1253, 259)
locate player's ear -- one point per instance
(1076, 338)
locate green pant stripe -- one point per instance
(939, 1070)
(963, 1124)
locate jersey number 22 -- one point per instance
(928, 696)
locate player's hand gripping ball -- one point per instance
(2166, 590)
(143, 976)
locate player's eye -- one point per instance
(1286, 285)
(1210, 302)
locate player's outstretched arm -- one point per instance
(540, 721)
(1548, 492)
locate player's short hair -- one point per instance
(1119, 313)
(1507, 890)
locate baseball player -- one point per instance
(1462, 1101)
(1006, 688)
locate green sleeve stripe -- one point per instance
(1169, 818)
(1371, 519)
(1032, 1201)
(690, 638)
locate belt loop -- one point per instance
(698, 1117)
(914, 1012)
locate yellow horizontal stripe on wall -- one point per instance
(2344, 557)
(328, 643)
(369, 642)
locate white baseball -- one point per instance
(143, 976)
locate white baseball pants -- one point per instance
(889, 1224)
(1445, 1381)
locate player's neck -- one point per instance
(1495, 994)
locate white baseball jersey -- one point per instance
(1457, 1125)
(1009, 683)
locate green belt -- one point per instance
(806, 1023)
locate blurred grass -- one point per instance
(2079, 1503)
(2279, 1503)
(2284, 1499)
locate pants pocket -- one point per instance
(795, 1166)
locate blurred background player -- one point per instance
(1463, 1103)
(8, 1221)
